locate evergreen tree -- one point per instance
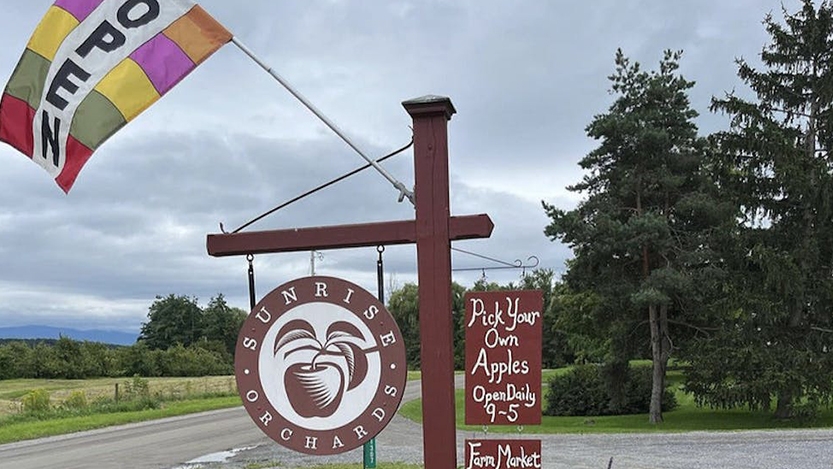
(642, 237)
(776, 164)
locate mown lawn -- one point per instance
(385, 465)
(686, 417)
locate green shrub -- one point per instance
(583, 391)
(36, 401)
(137, 396)
(807, 411)
(137, 388)
(77, 400)
(106, 405)
(580, 391)
(638, 392)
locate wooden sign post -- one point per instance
(432, 231)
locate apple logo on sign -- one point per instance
(316, 388)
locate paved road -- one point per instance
(158, 444)
(148, 445)
(182, 442)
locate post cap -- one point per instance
(430, 104)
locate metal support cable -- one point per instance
(484, 257)
(403, 191)
(318, 188)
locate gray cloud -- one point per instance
(228, 143)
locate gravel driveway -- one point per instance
(774, 449)
(777, 449)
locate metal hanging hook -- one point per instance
(531, 263)
(380, 274)
(250, 258)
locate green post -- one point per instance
(370, 446)
(370, 454)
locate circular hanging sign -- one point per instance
(320, 365)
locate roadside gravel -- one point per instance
(401, 441)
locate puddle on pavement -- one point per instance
(220, 457)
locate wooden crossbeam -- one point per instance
(340, 236)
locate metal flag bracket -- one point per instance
(531, 263)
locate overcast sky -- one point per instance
(229, 143)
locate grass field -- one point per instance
(10, 432)
(11, 391)
(386, 465)
(171, 397)
(180, 396)
(686, 417)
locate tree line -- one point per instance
(179, 339)
(714, 250)
(404, 307)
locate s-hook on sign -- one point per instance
(320, 365)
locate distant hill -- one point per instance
(47, 332)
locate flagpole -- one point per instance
(403, 191)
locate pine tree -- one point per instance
(776, 165)
(641, 238)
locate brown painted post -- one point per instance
(432, 230)
(430, 116)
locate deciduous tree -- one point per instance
(172, 320)
(221, 323)
(404, 307)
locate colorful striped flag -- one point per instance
(92, 66)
